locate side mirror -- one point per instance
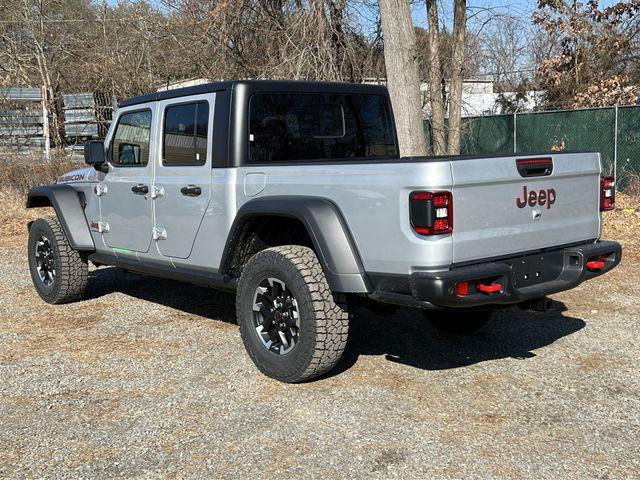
(94, 153)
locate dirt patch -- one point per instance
(597, 361)
(86, 349)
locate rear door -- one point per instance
(126, 208)
(500, 209)
(182, 185)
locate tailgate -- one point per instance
(492, 218)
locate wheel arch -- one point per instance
(326, 230)
(69, 207)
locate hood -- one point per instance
(81, 175)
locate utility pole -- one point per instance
(615, 147)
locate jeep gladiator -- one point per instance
(294, 195)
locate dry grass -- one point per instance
(623, 224)
(19, 172)
(14, 216)
(630, 181)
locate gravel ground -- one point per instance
(148, 378)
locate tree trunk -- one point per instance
(400, 56)
(38, 35)
(336, 10)
(457, 71)
(436, 100)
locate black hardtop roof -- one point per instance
(259, 85)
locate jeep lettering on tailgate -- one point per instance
(542, 197)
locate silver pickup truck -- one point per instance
(293, 195)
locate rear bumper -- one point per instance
(565, 269)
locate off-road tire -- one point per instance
(459, 322)
(324, 323)
(71, 269)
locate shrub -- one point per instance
(19, 172)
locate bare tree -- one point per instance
(401, 63)
(125, 48)
(457, 72)
(509, 50)
(436, 99)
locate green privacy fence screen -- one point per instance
(628, 147)
(614, 132)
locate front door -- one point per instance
(182, 183)
(126, 206)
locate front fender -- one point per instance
(68, 207)
(327, 229)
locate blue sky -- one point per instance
(483, 9)
(525, 6)
(522, 8)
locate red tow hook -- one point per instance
(493, 288)
(595, 264)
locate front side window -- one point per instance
(319, 126)
(185, 134)
(130, 147)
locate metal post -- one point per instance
(615, 148)
(515, 134)
(45, 122)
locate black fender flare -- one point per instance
(69, 208)
(327, 229)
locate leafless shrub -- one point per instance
(129, 48)
(19, 172)
(629, 181)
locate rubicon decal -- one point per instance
(536, 197)
(71, 178)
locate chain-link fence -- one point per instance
(628, 145)
(613, 131)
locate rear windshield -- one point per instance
(286, 127)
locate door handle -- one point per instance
(191, 190)
(140, 189)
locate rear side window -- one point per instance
(285, 127)
(130, 147)
(185, 134)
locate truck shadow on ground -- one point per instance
(188, 298)
(405, 337)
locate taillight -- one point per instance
(607, 193)
(431, 213)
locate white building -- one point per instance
(478, 97)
